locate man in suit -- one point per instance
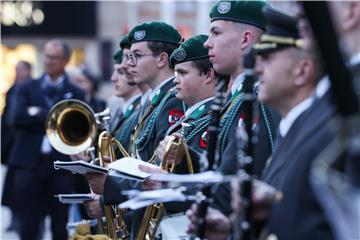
(36, 180)
(294, 88)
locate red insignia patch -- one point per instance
(204, 140)
(174, 116)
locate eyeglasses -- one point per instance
(133, 58)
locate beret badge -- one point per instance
(224, 7)
(180, 55)
(139, 35)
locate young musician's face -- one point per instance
(145, 69)
(188, 82)
(129, 77)
(224, 44)
(120, 82)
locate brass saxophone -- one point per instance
(154, 213)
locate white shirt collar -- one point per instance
(157, 88)
(129, 102)
(145, 97)
(295, 112)
(57, 81)
(322, 87)
(237, 82)
(197, 105)
(355, 59)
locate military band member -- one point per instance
(151, 47)
(144, 88)
(195, 85)
(289, 81)
(298, 90)
(121, 127)
(235, 26)
(195, 82)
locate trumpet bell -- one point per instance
(71, 126)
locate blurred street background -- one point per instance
(93, 30)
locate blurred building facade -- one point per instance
(93, 29)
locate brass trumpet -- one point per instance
(71, 127)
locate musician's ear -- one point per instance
(210, 76)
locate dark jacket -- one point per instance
(299, 215)
(26, 152)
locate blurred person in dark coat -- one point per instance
(22, 73)
(89, 84)
(8, 132)
(335, 174)
(36, 181)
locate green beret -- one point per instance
(248, 12)
(118, 57)
(190, 50)
(124, 42)
(156, 32)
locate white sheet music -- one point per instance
(146, 198)
(204, 177)
(130, 167)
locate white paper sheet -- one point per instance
(129, 167)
